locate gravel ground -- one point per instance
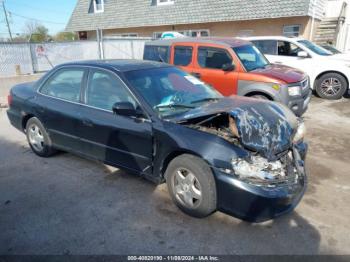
(69, 205)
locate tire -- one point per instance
(191, 185)
(331, 86)
(38, 139)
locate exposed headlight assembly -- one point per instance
(294, 90)
(300, 133)
(258, 168)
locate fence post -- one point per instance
(132, 49)
(99, 37)
(32, 57)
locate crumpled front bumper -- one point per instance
(258, 203)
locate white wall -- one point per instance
(333, 10)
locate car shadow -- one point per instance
(70, 205)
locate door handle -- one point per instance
(278, 62)
(198, 75)
(88, 122)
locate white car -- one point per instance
(329, 73)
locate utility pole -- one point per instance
(7, 21)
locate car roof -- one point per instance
(227, 41)
(283, 38)
(121, 65)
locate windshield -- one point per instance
(171, 91)
(315, 48)
(251, 57)
(331, 49)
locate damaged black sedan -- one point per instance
(242, 156)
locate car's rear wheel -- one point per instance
(331, 86)
(38, 139)
(191, 185)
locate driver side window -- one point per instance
(104, 89)
(288, 49)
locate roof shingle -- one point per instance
(140, 13)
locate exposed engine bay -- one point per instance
(257, 169)
(222, 125)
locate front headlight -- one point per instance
(257, 168)
(300, 134)
(294, 90)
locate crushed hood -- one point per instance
(264, 127)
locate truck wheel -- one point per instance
(331, 86)
(38, 139)
(191, 185)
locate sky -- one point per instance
(54, 14)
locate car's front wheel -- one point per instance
(38, 139)
(191, 185)
(331, 86)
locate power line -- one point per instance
(34, 19)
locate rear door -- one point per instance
(58, 106)
(182, 56)
(114, 139)
(208, 67)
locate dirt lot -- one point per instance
(69, 205)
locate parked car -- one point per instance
(234, 66)
(329, 74)
(242, 156)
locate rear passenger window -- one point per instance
(65, 84)
(183, 55)
(267, 47)
(213, 58)
(156, 53)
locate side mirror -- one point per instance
(303, 54)
(124, 109)
(228, 67)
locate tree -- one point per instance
(36, 32)
(65, 36)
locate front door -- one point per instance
(117, 140)
(209, 68)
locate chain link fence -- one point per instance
(28, 58)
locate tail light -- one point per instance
(9, 100)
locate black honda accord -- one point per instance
(242, 156)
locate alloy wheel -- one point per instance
(36, 137)
(330, 86)
(187, 188)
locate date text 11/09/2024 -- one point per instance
(173, 258)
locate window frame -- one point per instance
(213, 48)
(168, 2)
(168, 52)
(87, 69)
(90, 73)
(184, 47)
(288, 34)
(290, 43)
(267, 40)
(61, 69)
(96, 11)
